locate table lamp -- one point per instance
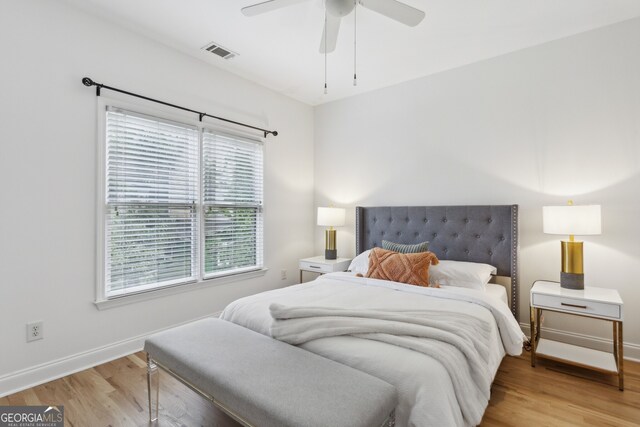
(330, 217)
(572, 220)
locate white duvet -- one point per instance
(432, 392)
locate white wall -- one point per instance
(535, 127)
(48, 181)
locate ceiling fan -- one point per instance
(336, 9)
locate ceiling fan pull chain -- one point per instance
(355, 43)
(325, 52)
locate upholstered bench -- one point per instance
(260, 381)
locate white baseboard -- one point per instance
(49, 371)
(631, 350)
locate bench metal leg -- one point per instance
(153, 388)
(391, 420)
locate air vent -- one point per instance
(222, 52)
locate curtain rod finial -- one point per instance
(87, 81)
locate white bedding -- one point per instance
(427, 396)
(497, 291)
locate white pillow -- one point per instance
(472, 275)
(360, 264)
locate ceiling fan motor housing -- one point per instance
(339, 8)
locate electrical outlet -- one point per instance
(283, 274)
(35, 331)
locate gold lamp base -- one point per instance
(330, 251)
(572, 274)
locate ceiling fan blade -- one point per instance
(333, 28)
(395, 10)
(267, 6)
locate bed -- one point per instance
(440, 347)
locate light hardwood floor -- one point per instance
(114, 394)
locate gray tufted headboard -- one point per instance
(487, 234)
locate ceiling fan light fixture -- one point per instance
(339, 8)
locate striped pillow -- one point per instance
(405, 249)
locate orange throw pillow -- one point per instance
(412, 269)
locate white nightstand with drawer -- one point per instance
(318, 264)
(599, 303)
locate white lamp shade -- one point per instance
(572, 220)
(331, 217)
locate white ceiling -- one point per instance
(280, 49)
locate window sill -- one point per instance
(105, 304)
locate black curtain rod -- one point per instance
(88, 82)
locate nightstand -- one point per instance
(318, 264)
(599, 303)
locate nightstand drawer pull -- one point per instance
(573, 305)
(314, 266)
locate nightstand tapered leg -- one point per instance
(620, 356)
(532, 327)
(615, 342)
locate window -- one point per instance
(232, 188)
(183, 203)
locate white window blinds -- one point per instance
(182, 203)
(151, 195)
(232, 190)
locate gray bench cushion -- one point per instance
(270, 383)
